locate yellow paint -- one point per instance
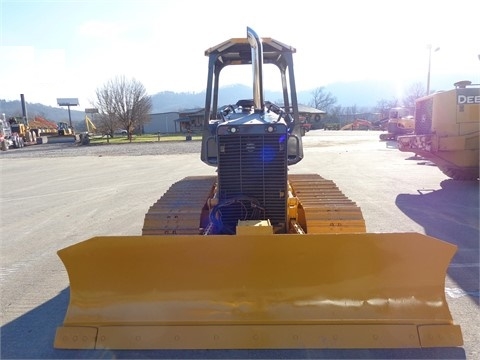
(258, 291)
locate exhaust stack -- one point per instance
(257, 67)
(24, 108)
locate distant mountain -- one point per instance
(367, 93)
(169, 101)
(14, 108)
(364, 94)
(360, 93)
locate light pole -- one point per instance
(429, 65)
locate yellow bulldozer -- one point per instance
(64, 129)
(255, 257)
(447, 131)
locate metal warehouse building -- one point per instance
(163, 122)
(174, 122)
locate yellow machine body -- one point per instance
(447, 131)
(400, 122)
(258, 291)
(255, 257)
(334, 287)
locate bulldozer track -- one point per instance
(179, 210)
(323, 207)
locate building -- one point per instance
(192, 120)
(162, 122)
(175, 122)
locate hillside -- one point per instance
(170, 101)
(360, 93)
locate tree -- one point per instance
(108, 121)
(322, 100)
(415, 91)
(383, 106)
(107, 124)
(123, 103)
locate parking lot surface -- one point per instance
(56, 195)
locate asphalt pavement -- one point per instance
(54, 200)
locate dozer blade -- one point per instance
(257, 292)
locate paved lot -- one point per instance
(55, 195)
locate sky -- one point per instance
(53, 49)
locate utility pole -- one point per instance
(429, 65)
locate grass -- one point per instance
(123, 139)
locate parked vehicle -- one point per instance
(65, 129)
(447, 131)
(8, 138)
(20, 126)
(400, 122)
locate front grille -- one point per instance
(423, 116)
(252, 178)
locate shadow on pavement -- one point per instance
(451, 214)
(391, 144)
(31, 336)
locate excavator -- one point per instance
(254, 257)
(399, 122)
(358, 124)
(91, 128)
